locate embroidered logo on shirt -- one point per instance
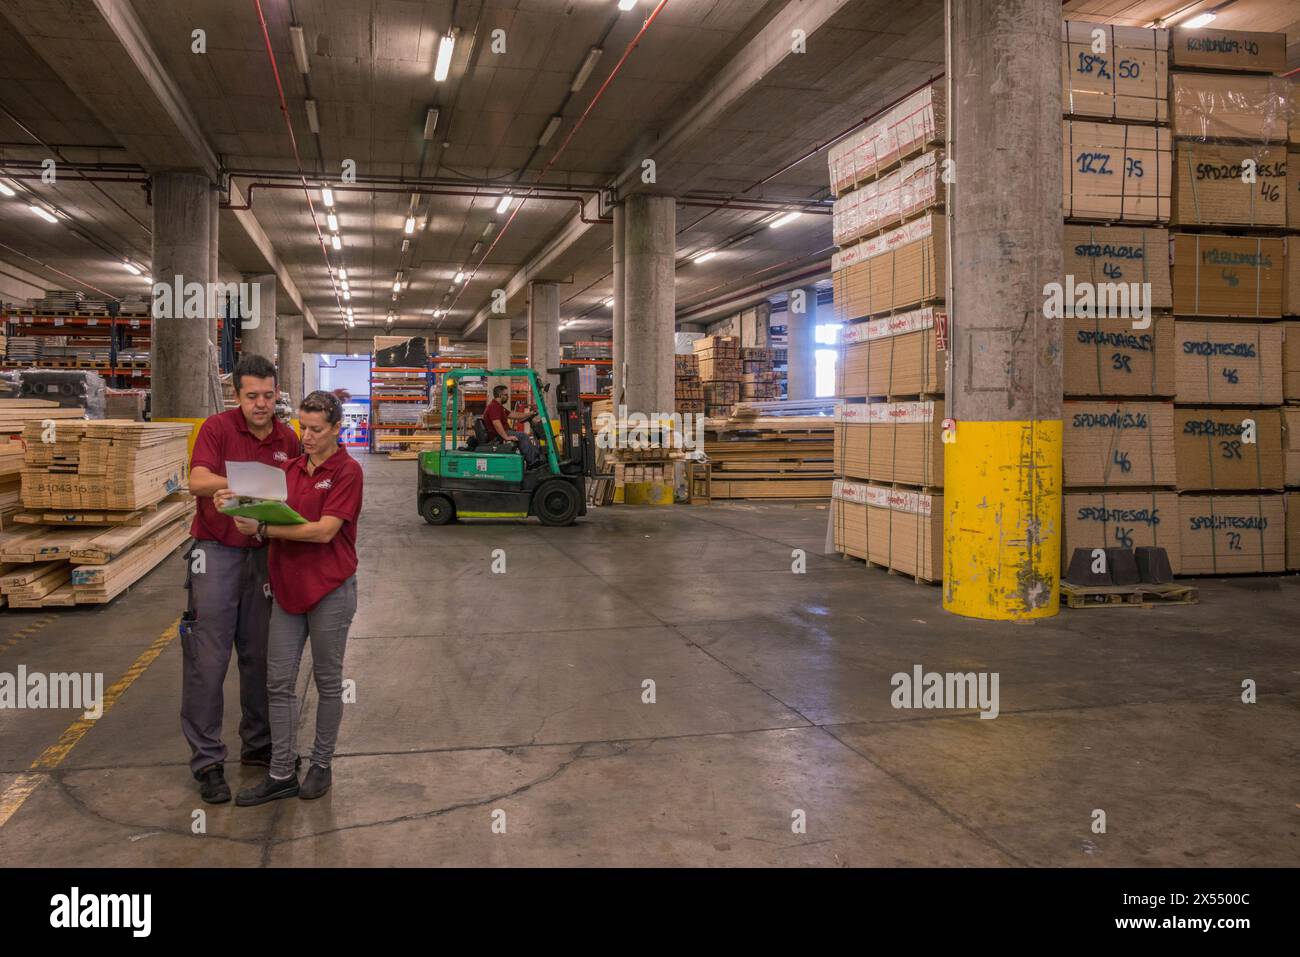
(325, 484)
(281, 456)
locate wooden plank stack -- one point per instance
(1231, 283)
(720, 371)
(1125, 78)
(770, 457)
(904, 130)
(894, 528)
(103, 464)
(689, 392)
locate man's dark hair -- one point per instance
(254, 367)
(326, 402)
(499, 391)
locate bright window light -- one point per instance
(443, 65)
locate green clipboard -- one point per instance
(260, 492)
(264, 510)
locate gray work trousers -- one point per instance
(327, 627)
(231, 601)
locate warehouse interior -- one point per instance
(817, 235)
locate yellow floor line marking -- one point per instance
(17, 793)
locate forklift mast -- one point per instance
(575, 420)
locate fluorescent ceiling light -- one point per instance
(430, 122)
(584, 71)
(437, 313)
(626, 4)
(5, 189)
(505, 203)
(299, 48)
(346, 295)
(410, 225)
(313, 119)
(336, 242)
(445, 47)
(131, 267)
(45, 214)
(787, 218)
(487, 230)
(397, 286)
(1198, 21)
(333, 222)
(608, 302)
(478, 248)
(343, 273)
(704, 257)
(547, 133)
(406, 244)
(327, 196)
(459, 276)
(345, 284)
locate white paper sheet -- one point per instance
(255, 480)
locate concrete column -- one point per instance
(1002, 463)
(498, 348)
(179, 349)
(289, 346)
(763, 325)
(214, 269)
(544, 333)
(620, 304)
(649, 319)
(310, 373)
(801, 344)
(259, 339)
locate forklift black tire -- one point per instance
(438, 510)
(556, 502)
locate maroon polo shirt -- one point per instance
(496, 412)
(302, 573)
(223, 438)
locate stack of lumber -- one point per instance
(1123, 519)
(889, 201)
(1125, 444)
(894, 356)
(896, 270)
(915, 122)
(776, 457)
(897, 529)
(87, 561)
(16, 413)
(1232, 280)
(105, 464)
(894, 443)
(1125, 78)
(1116, 172)
(758, 382)
(688, 390)
(720, 367)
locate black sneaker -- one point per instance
(315, 784)
(213, 788)
(259, 758)
(269, 790)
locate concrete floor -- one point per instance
(522, 693)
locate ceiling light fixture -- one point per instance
(333, 222)
(478, 247)
(299, 48)
(343, 273)
(584, 71)
(45, 214)
(397, 286)
(327, 196)
(130, 267)
(1198, 21)
(487, 230)
(459, 276)
(430, 122)
(504, 204)
(406, 244)
(345, 284)
(346, 295)
(6, 189)
(547, 133)
(782, 220)
(313, 118)
(445, 48)
(704, 257)
(626, 5)
(410, 225)
(336, 242)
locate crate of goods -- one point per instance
(124, 404)
(720, 370)
(1230, 184)
(905, 128)
(1291, 446)
(1291, 281)
(1205, 48)
(1119, 254)
(905, 354)
(889, 201)
(1232, 534)
(717, 347)
(1292, 505)
(1229, 363)
(1121, 520)
(686, 364)
(1116, 171)
(897, 270)
(898, 528)
(104, 464)
(1227, 276)
(1111, 357)
(1125, 77)
(891, 442)
(1118, 444)
(1209, 106)
(1214, 450)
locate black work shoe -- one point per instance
(259, 758)
(315, 784)
(213, 788)
(269, 790)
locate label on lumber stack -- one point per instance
(1128, 80)
(1230, 184)
(1209, 49)
(1291, 361)
(897, 355)
(1115, 254)
(897, 528)
(906, 127)
(1214, 451)
(1293, 531)
(1291, 281)
(1116, 171)
(721, 393)
(1229, 363)
(902, 268)
(1227, 276)
(1231, 534)
(891, 442)
(1291, 447)
(888, 201)
(1210, 106)
(1121, 520)
(1110, 357)
(1110, 444)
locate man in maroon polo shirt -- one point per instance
(230, 598)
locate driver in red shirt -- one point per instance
(497, 420)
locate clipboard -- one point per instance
(261, 491)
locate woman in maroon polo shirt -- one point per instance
(313, 582)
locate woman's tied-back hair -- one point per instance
(326, 402)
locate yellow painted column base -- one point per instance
(647, 493)
(1002, 521)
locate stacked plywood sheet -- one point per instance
(1208, 106)
(1118, 444)
(1228, 184)
(898, 355)
(1120, 254)
(688, 391)
(105, 464)
(16, 413)
(782, 457)
(904, 129)
(1232, 534)
(897, 270)
(1229, 363)
(1291, 361)
(1291, 446)
(894, 442)
(1206, 48)
(1122, 77)
(1109, 357)
(1228, 449)
(719, 363)
(897, 528)
(1227, 276)
(1116, 172)
(1291, 281)
(1124, 519)
(888, 201)
(1292, 505)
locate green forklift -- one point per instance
(471, 475)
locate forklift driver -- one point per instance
(496, 419)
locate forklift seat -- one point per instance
(480, 442)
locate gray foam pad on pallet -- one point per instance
(1080, 572)
(1153, 565)
(1123, 566)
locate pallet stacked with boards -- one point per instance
(757, 456)
(688, 391)
(103, 502)
(1118, 352)
(720, 373)
(758, 380)
(888, 278)
(1230, 266)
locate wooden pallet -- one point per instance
(1133, 596)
